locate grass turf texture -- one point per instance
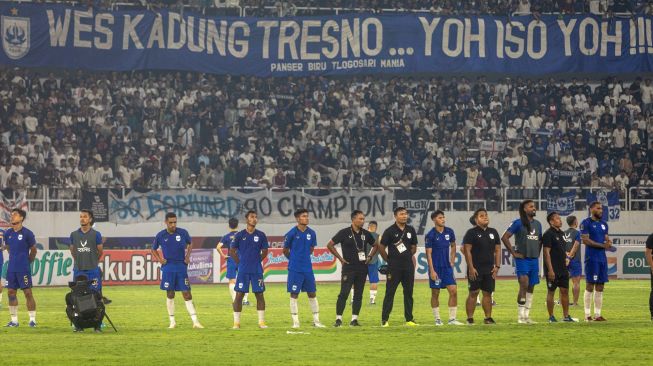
(140, 314)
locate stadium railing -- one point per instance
(639, 198)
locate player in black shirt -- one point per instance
(649, 260)
(555, 267)
(400, 240)
(483, 256)
(358, 248)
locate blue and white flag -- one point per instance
(609, 201)
(562, 203)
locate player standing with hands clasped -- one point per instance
(176, 246)
(483, 257)
(400, 239)
(248, 249)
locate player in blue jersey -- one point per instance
(594, 234)
(526, 252)
(232, 268)
(298, 246)
(175, 243)
(248, 249)
(21, 244)
(2, 262)
(440, 245)
(373, 266)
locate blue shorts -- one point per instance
(528, 267)
(243, 280)
(232, 269)
(175, 281)
(19, 280)
(94, 277)
(301, 282)
(445, 277)
(373, 272)
(575, 268)
(596, 271)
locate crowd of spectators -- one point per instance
(154, 130)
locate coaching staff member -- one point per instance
(555, 267)
(358, 247)
(400, 239)
(483, 256)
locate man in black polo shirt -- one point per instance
(555, 267)
(483, 257)
(400, 240)
(358, 247)
(649, 260)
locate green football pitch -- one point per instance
(139, 313)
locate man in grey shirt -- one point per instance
(86, 249)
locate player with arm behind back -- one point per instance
(232, 267)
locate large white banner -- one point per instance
(272, 207)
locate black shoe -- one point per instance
(489, 321)
(98, 330)
(106, 300)
(470, 320)
(354, 323)
(338, 323)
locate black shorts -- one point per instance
(561, 281)
(484, 282)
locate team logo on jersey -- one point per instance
(491, 236)
(363, 237)
(602, 226)
(256, 239)
(15, 35)
(479, 235)
(20, 236)
(308, 236)
(446, 237)
(178, 237)
(408, 235)
(566, 237)
(83, 243)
